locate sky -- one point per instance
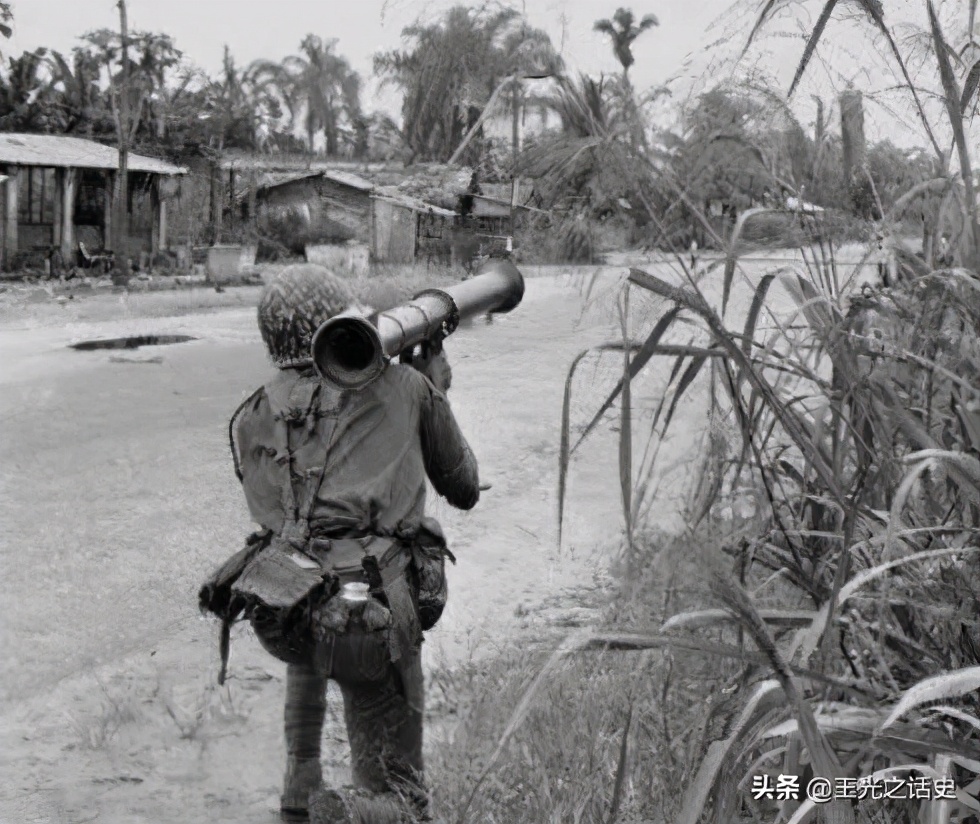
(689, 30)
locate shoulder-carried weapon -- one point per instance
(350, 350)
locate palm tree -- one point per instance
(622, 30)
(81, 104)
(144, 79)
(528, 53)
(6, 15)
(449, 74)
(235, 103)
(589, 159)
(155, 55)
(322, 84)
(25, 95)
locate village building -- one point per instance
(391, 214)
(57, 196)
(395, 227)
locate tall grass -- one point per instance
(838, 630)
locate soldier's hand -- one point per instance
(430, 359)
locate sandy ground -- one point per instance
(118, 498)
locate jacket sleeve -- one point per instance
(449, 461)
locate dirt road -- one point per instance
(118, 497)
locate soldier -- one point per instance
(337, 478)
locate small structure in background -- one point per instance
(344, 214)
(57, 194)
(341, 209)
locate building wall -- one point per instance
(434, 235)
(394, 233)
(3, 226)
(34, 240)
(339, 204)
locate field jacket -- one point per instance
(373, 449)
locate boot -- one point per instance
(351, 806)
(306, 706)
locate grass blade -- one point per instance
(564, 453)
(970, 86)
(751, 320)
(959, 715)
(790, 422)
(807, 641)
(952, 97)
(759, 23)
(643, 356)
(626, 430)
(811, 44)
(621, 768)
(709, 617)
(523, 707)
(674, 372)
(731, 255)
(686, 380)
(947, 685)
(766, 696)
(748, 334)
(823, 758)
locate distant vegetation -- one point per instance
(607, 171)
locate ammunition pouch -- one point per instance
(216, 595)
(429, 554)
(291, 598)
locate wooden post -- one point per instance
(162, 225)
(10, 218)
(155, 217)
(253, 191)
(123, 127)
(215, 203)
(68, 180)
(515, 145)
(57, 202)
(107, 211)
(231, 199)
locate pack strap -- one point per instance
(224, 646)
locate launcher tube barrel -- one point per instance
(351, 351)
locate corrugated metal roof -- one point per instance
(59, 150)
(388, 193)
(270, 180)
(401, 199)
(288, 162)
(275, 179)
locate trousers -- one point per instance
(383, 713)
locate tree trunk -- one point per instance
(120, 224)
(852, 134)
(515, 148)
(637, 137)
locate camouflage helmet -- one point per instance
(293, 306)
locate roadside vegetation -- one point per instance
(818, 616)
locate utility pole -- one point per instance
(121, 193)
(515, 140)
